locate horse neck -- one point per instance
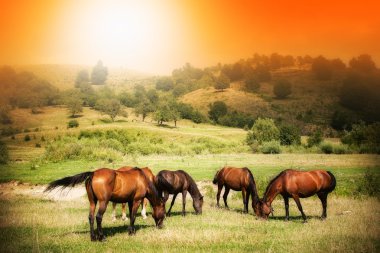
(271, 192)
(193, 190)
(152, 195)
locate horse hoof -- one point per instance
(102, 239)
(304, 222)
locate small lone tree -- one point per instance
(99, 74)
(282, 88)
(74, 102)
(222, 82)
(144, 108)
(111, 107)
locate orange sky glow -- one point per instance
(158, 36)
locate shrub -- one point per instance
(27, 137)
(270, 147)
(290, 135)
(4, 155)
(236, 119)
(217, 110)
(72, 123)
(282, 88)
(341, 149)
(369, 184)
(251, 85)
(315, 139)
(327, 148)
(263, 130)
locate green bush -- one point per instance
(270, 147)
(290, 135)
(326, 147)
(341, 149)
(263, 130)
(315, 139)
(72, 123)
(369, 185)
(4, 155)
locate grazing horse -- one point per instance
(237, 179)
(104, 185)
(298, 184)
(174, 182)
(149, 174)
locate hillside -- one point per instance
(311, 102)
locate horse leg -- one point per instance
(113, 211)
(247, 199)
(323, 197)
(220, 187)
(171, 205)
(184, 202)
(244, 201)
(143, 205)
(286, 201)
(297, 200)
(99, 218)
(124, 211)
(225, 195)
(91, 218)
(166, 196)
(133, 206)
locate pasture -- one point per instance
(32, 222)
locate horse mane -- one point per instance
(151, 186)
(271, 182)
(193, 188)
(255, 195)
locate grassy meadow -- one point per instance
(36, 224)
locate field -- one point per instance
(33, 222)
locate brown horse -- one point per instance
(237, 179)
(106, 185)
(298, 184)
(149, 174)
(174, 182)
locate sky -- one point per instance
(157, 36)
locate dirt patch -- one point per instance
(15, 188)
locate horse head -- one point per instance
(159, 213)
(197, 204)
(216, 177)
(264, 209)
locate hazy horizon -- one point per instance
(156, 37)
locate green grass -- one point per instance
(351, 226)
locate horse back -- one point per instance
(235, 178)
(306, 183)
(171, 181)
(129, 185)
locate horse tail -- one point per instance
(332, 183)
(252, 186)
(215, 181)
(69, 181)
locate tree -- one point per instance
(111, 107)
(363, 63)
(164, 84)
(290, 135)
(282, 88)
(275, 61)
(82, 78)
(99, 74)
(251, 85)
(322, 68)
(5, 117)
(315, 139)
(354, 93)
(263, 130)
(4, 155)
(144, 108)
(217, 110)
(73, 101)
(222, 82)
